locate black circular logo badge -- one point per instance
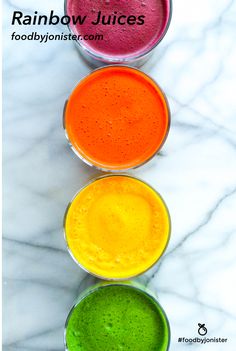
(202, 329)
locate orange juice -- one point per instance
(117, 118)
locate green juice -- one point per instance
(117, 317)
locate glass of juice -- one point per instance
(114, 317)
(117, 227)
(117, 118)
(118, 31)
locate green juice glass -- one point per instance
(117, 317)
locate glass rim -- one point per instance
(90, 162)
(114, 279)
(83, 295)
(111, 59)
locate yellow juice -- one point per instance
(117, 227)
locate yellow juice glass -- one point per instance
(117, 227)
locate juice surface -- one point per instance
(126, 40)
(117, 227)
(117, 318)
(117, 118)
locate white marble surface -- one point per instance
(196, 174)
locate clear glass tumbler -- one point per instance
(117, 118)
(126, 32)
(117, 316)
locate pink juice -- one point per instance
(130, 28)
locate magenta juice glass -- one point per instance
(118, 31)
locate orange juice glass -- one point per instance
(117, 118)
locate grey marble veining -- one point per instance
(195, 173)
